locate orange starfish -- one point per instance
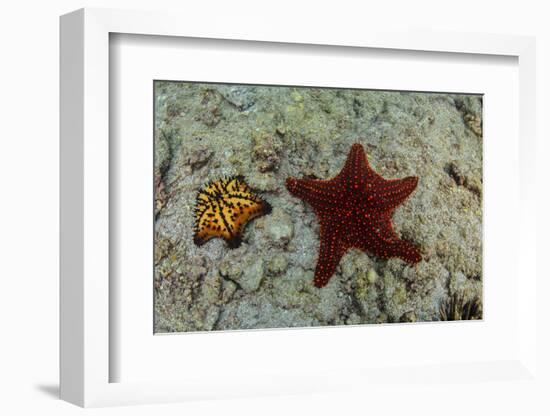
(224, 208)
(354, 210)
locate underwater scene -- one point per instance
(285, 207)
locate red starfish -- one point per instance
(354, 210)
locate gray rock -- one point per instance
(372, 276)
(212, 287)
(196, 157)
(277, 264)
(163, 151)
(211, 318)
(239, 96)
(279, 228)
(261, 313)
(267, 152)
(264, 182)
(252, 276)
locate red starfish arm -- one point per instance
(381, 240)
(388, 194)
(331, 251)
(402, 249)
(357, 170)
(317, 193)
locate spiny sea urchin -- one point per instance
(457, 308)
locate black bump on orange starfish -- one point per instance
(224, 207)
(354, 211)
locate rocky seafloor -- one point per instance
(207, 131)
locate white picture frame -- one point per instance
(85, 355)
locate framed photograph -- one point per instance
(280, 212)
